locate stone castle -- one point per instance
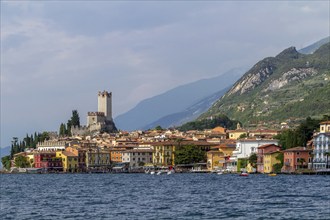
(100, 121)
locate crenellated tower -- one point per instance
(105, 104)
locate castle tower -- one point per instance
(105, 104)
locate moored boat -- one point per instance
(244, 174)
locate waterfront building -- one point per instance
(48, 161)
(296, 158)
(116, 154)
(226, 147)
(269, 160)
(69, 161)
(322, 147)
(244, 149)
(163, 153)
(97, 158)
(137, 157)
(215, 160)
(262, 150)
(81, 155)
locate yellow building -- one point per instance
(235, 134)
(270, 160)
(215, 160)
(163, 153)
(325, 126)
(69, 161)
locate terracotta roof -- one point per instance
(69, 154)
(296, 149)
(268, 145)
(325, 122)
(263, 131)
(139, 151)
(254, 139)
(272, 152)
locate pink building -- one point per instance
(264, 149)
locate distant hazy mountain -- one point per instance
(289, 85)
(188, 114)
(313, 47)
(174, 101)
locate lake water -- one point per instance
(177, 196)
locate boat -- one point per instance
(170, 172)
(244, 174)
(272, 174)
(152, 172)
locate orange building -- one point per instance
(296, 158)
(116, 155)
(214, 160)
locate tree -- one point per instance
(244, 135)
(189, 154)
(44, 136)
(253, 160)
(158, 128)
(278, 166)
(75, 120)
(21, 161)
(68, 128)
(301, 161)
(241, 164)
(62, 130)
(6, 163)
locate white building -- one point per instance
(52, 145)
(137, 157)
(322, 146)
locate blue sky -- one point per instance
(56, 55)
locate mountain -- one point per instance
(313, 47)
(290, 85)
(189, 114)
(174, 101)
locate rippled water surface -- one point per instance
(177, 196)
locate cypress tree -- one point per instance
(75, 120)
(68, 128)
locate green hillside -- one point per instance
(290, 85)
